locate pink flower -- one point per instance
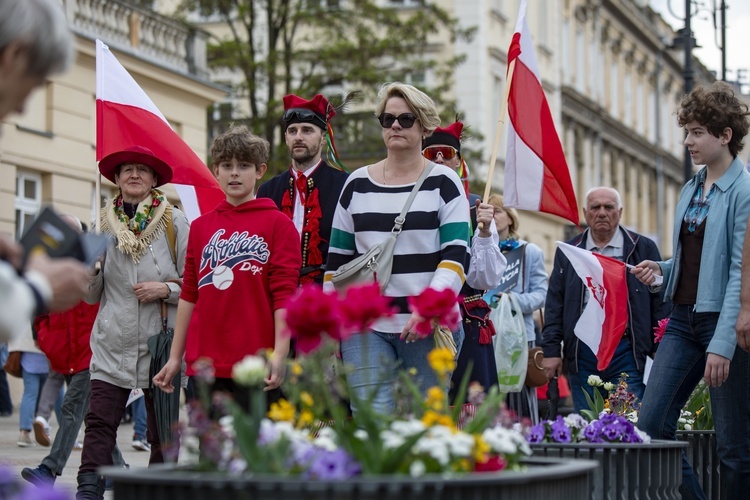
(363, 305)
(493, 464)
(436, 307)
(659, 329)
(310, 314)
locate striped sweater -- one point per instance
(432, 249)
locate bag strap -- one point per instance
(398, 223)
(171, 236)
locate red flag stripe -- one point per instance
(615, 308)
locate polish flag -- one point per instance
(536, 174)
(605, 316)
(125, 116)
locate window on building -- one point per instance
(416, 78)
(627, 97)
(614, 83)
(580, 60)
(324, 4)
(406, 3)
(640, 122)
(28, 199)
(565, 52)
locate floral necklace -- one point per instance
(508, 244)
(143, 213)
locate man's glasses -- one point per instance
(302, 115)
(406, 120)
(432, 152)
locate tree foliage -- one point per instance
(306, 47)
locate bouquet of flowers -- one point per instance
(620, 401)
(311, 433)
(609, 428)
(696, 415)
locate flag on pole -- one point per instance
(125, 116)
(536, 173)
(605, 316)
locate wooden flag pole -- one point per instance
(500, 122)
(98, 203)
(498, 134)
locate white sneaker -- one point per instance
(41, 431)
(141, 445)
(24, 440)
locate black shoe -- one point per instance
(41, 476)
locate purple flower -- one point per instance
(613, 431)
(333, 465)
(536, 433)
(559, 431)
(593, 431)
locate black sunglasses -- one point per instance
(406, 120)
(302, 115)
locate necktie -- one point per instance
(301, 185)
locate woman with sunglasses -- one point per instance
(431, 250)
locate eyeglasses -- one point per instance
(406, 120)
(432, 152)
(303, 115)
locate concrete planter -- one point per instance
(626, 471)
(549, 479)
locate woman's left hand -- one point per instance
(485, 213)
(150, 291)
(409, 334)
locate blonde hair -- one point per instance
(496, 201)
(420, 103)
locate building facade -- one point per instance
(47, 155)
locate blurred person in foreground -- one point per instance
(35, 42)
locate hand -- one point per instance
(485, 213)
(150, 291)
(11, 251)
(276, 371)
(68, 278)
(163, 379)
(552, 367)
(408, 333)
(717, 370)
(743, 328)
(645, 271)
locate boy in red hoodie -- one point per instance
(242, 264)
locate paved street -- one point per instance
(17, 458)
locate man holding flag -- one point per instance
(619, 341)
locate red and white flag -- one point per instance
(125, 117)
(605, 316)
(536, 173)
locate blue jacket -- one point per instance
(721, 259)
(565, 296)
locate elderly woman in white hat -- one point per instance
(143, 271)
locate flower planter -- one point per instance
(627, 471)
(544, 478)
(702, 456)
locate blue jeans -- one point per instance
(623, 361)
(374, 358)
(32, 385)
(678, 367)
(139, 418)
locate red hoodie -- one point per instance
(64, 337)
(242, 264)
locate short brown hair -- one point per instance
(716, 107)
(239, 143)
(497, 201)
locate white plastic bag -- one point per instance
(511, 348)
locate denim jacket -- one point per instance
(721, 258)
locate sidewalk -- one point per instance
(17, 458)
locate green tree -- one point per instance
(306, 47)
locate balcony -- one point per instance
(141, 32)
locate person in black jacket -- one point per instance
(309, 191)
(566, 298)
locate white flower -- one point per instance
(326, 439)
(575, 421)
(608, 386)
(250, 371)
(417, 468)
(688, 427)
(595, 381)
(227, 425)
(645, 437)
(361, 434)
(633, 416)
(461, 444)
(392, 440)
(407, 428)
(500, 440)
